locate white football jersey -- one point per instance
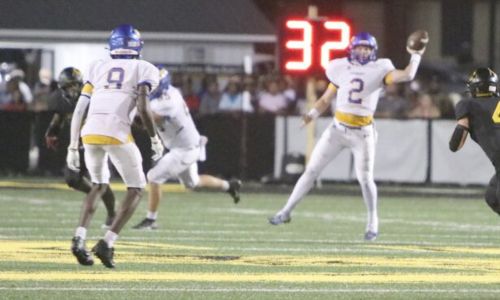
(358, 86)
(177, 129)
(114, 95)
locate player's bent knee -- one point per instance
(72, 179)
(191, 184)
(365, 179)
(155, 177)
(137, 192)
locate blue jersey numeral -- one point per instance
(357, 86)
(115, 78)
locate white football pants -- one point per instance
(361, 141)
(180, 163)
(125, 157)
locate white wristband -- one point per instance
(415, 58)
(313, 113)
(155, 139)
(414, 63)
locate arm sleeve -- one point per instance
(387, 65)
(88, 76)
(457, 137)
(332, 73)
(462, 109)
(76, 120)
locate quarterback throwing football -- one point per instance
(357, 80)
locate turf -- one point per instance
(207, 247)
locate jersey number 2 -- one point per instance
(357, 86)
(496, 114)
(115, 78)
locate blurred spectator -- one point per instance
(18, 75)
(191, 98)
(288, 87)
(273, 100)
(232, 99)
(442, 99)
(424, 108)
(210, 99)
(43, 87)
(250, 91)
(392, 104)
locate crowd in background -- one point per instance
(426, 97)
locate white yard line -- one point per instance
(253, 290)
(156, 236)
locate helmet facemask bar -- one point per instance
(482, 82)
(363, 39)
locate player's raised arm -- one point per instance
(416, 45)
(321, 105)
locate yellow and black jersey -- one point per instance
(484, 123)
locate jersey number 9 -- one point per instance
(115, 78)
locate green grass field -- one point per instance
(206, 247)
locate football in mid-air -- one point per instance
(417, 40)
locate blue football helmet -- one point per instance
(363, 39)
(164, 84)
(125, 41)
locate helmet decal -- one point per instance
(125, 41)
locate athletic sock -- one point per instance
(110, 237)
(152, 215)
(81, 232)
(225, 185)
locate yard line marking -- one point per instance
(154, 237)
(170, 187)
(161, 253)
(262, 290)
(317, 277)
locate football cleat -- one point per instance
(104, 253)
(370, 236)
(146, 224)
(279, 219)
(80, 252)
(109, 221)
(234, 190)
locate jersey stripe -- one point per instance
(94, 139)
(353, 120)
(87, 89)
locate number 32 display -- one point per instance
(306, 45)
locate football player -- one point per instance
(112, 88)
(356, 80)
(179, 134)
(70, 83)
(479, 115)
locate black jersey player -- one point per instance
(70, 83)
(479, 116)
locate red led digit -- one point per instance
(304, 45)
(345, 34)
